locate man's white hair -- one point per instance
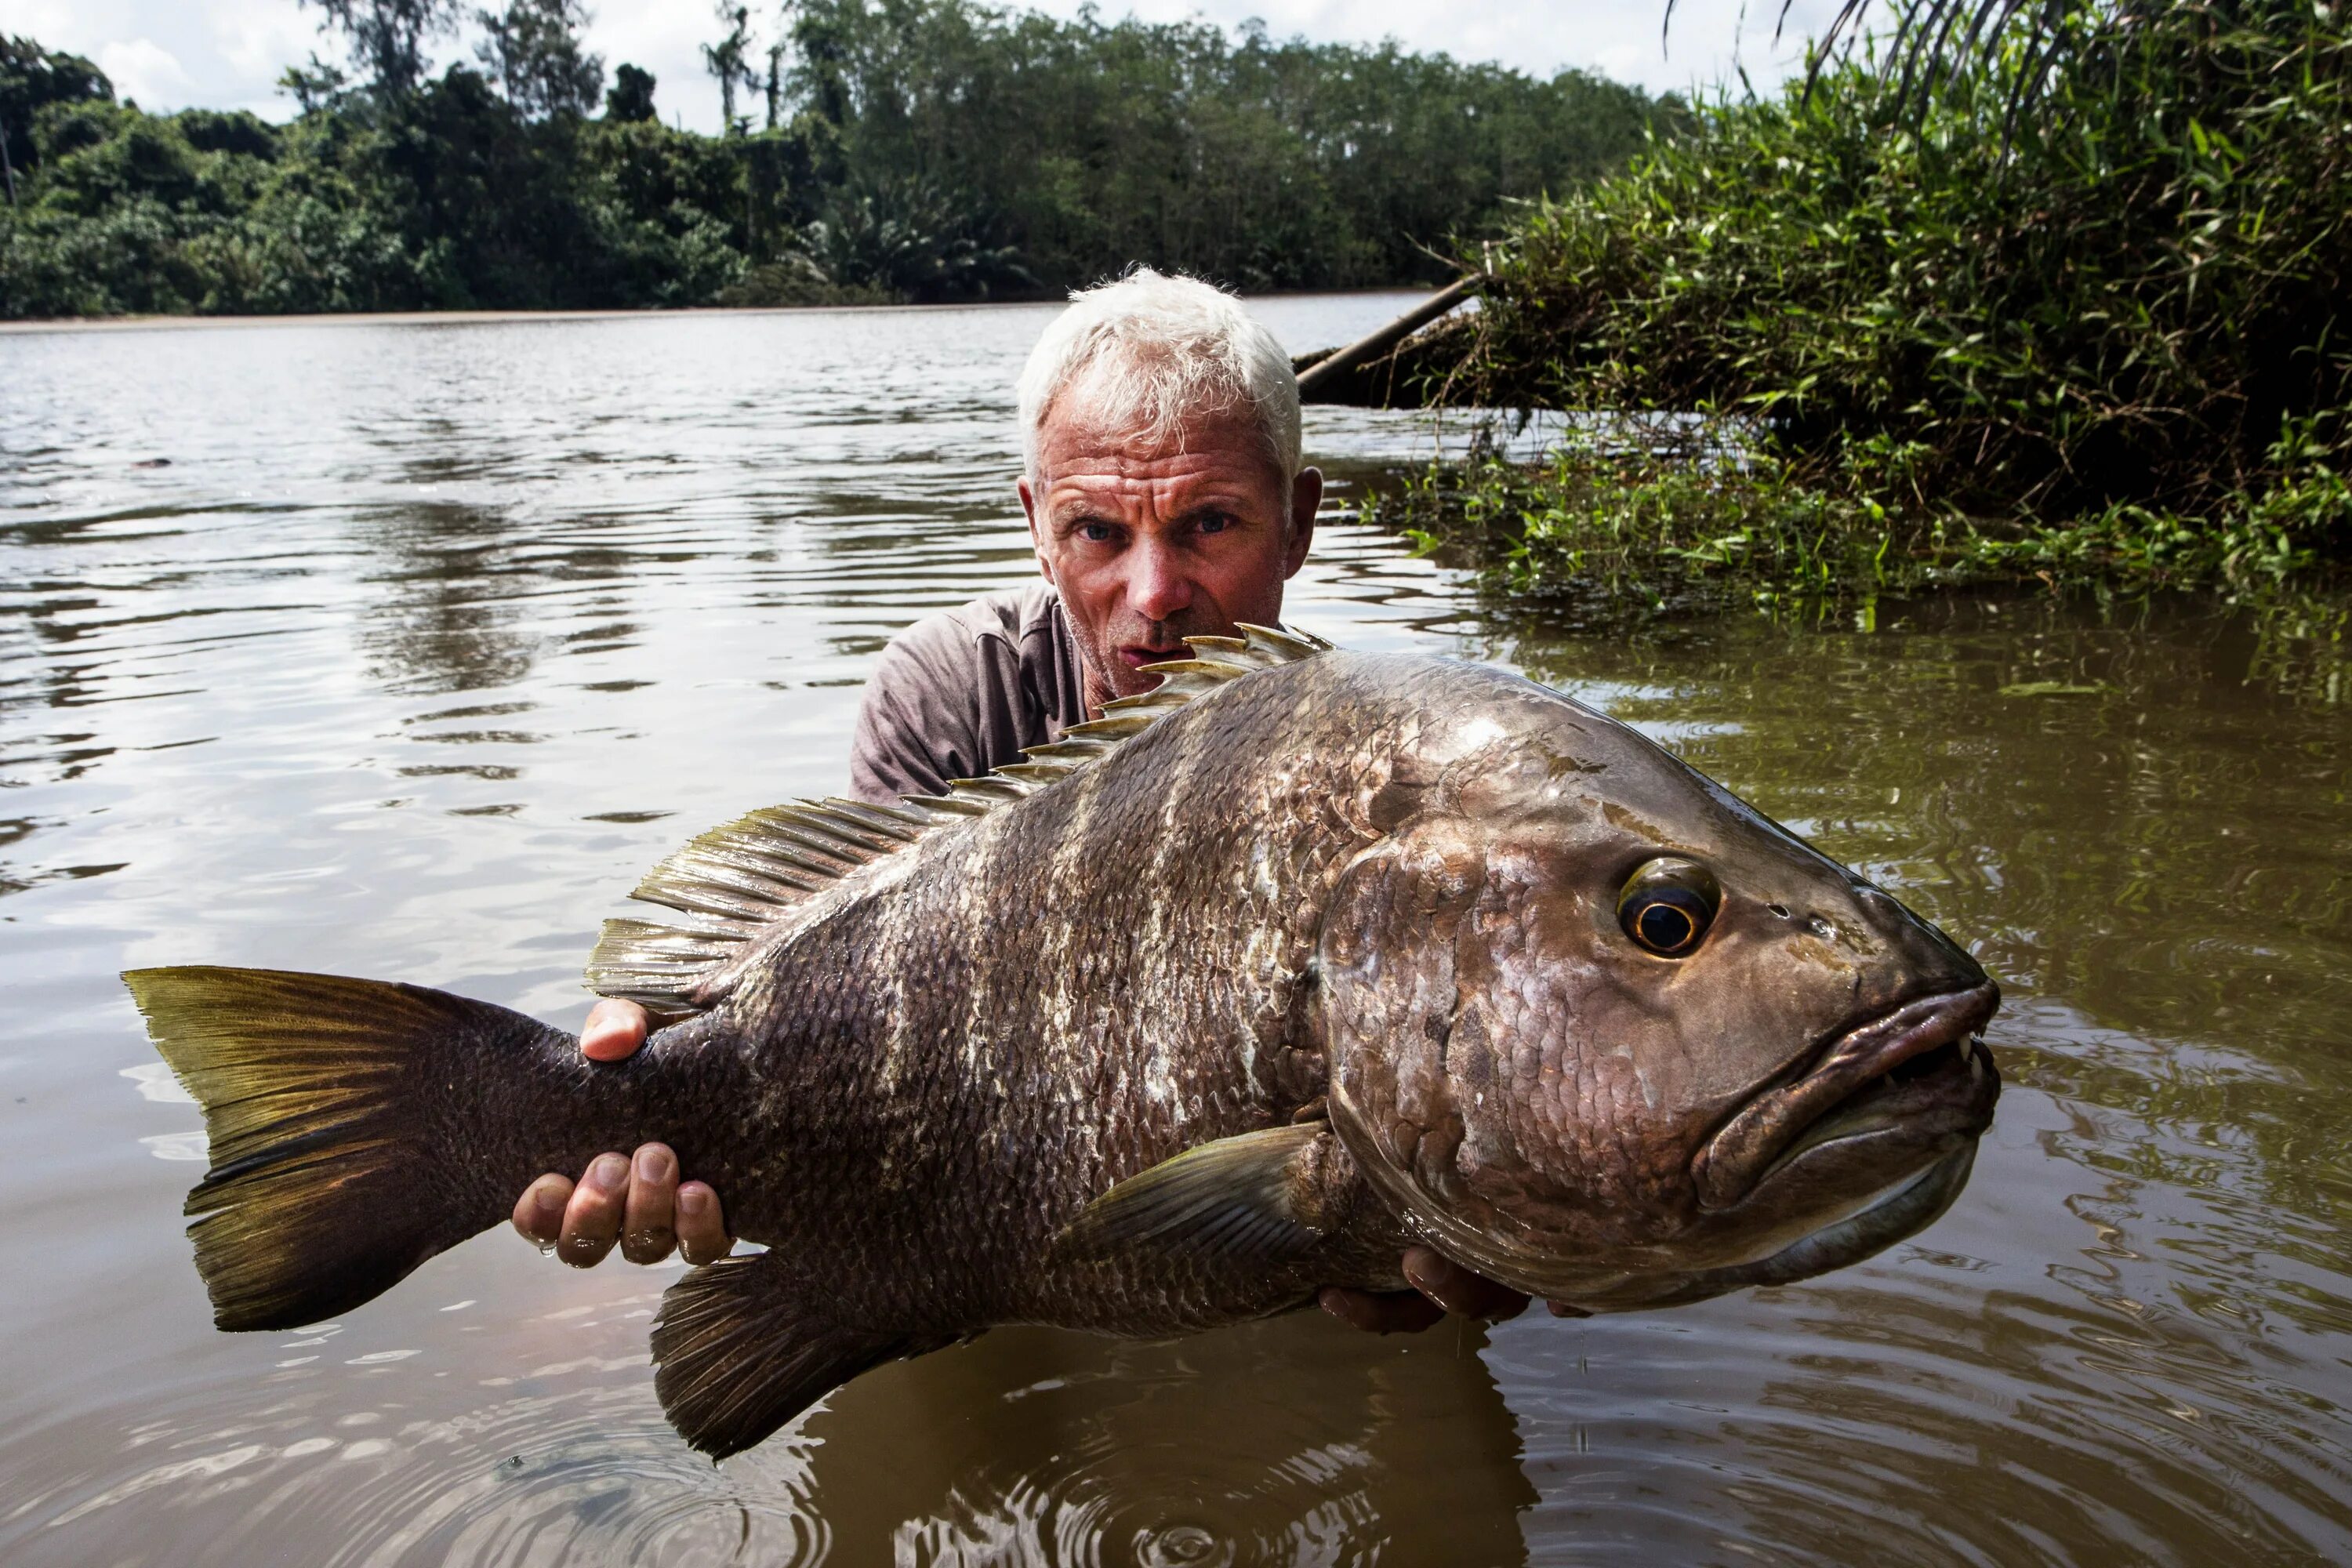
(1154, 354)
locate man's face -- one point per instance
(1149, 545)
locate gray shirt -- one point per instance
(960, 692)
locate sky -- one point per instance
(227, 53)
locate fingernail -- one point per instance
(609, 1173)
(653, 1165)
(603, 1046)
(692, 1202)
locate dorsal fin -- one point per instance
(733, 884)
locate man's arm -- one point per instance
(937, 708)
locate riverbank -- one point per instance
(1863, 334)
(1404, 295)
(439, 317)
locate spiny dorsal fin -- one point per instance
(734, 882)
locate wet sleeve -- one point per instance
(920, 723)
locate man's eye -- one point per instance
(1095, 532)
(1215, 522)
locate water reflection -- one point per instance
(428, 641)
(439, 616)
(1034, 1446)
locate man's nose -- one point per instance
(1157, 588)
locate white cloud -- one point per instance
(229, 53)
(145, 70)
(258, 42)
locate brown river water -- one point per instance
(430, 637)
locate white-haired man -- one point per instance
(1166, 499)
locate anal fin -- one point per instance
(1252, 1199)
(736, 1353)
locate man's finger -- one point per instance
(613, 1031)
(1457, 1289)
(592, 1221)
(701, 1227)
(1379, 1311)
(538, 1213)
(646, 1231)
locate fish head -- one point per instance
(1603, 1031)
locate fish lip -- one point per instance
(1750, 1147)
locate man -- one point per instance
(1166, 499)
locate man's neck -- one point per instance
(1099, 690)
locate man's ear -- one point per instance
(1305, 499)
(1036, 530)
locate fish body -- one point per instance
(1236, 994)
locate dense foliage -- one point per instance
(2109, 330)
(913, 149)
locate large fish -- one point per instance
(1233, 994)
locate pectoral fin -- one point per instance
(738, 1356)
(1249, 1199)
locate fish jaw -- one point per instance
(1871, 1144)
(1852, 1092)
(1903, 1207)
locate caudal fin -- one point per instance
(337, 1111)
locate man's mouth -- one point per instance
(1136, 656)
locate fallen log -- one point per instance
(1327, 378)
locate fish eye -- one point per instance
(1667, 904)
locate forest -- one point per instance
(875, 151)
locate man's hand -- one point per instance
(1439, 1286)
(638, 1201)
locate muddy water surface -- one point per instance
(421, 641)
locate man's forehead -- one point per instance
(1076, 452)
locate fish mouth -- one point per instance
(1907, 1207)
(1916, 1074)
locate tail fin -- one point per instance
(335, 1109)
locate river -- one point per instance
(400, 649)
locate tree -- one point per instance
(724, 59)
(31, 78)
(938, 149)
(314, 85)
(388, 37)
(632, 96)
(533, 50)
(775, 82)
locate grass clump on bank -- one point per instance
(1903, 341)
